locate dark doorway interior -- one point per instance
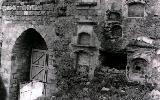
(21, 59)
(28, 40)
(113, 60)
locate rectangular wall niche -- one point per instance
(84, 39)
(136, 10)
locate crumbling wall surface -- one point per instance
(18, 18)
(11, 35)
(132, 27)
(104, 27)
(141, 26)
(139, 63)
(56, 32)
(61, 31)
(143, 61)
(143, 67)
(141, 30)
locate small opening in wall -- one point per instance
(114, 16)
(136, 9)
(113, 60)
(84, 39)
(116, 31)
(137, 68)
(138, 65)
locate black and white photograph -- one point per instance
(79, 49)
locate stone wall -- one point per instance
(16, 19)
(56, 32)
(60, 31)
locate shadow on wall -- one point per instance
(3, 93)
(113, 60)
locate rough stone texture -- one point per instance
(18, 18)
(61, 32)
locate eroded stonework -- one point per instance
(53, 40)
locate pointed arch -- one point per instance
(21, 58)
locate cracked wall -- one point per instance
(62, 31)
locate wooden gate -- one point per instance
(42, 70)
(38, 65)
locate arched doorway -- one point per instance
(29, 61)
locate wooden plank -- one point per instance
(37, 74)
(42, 69)
(38, 71)
(38, 57)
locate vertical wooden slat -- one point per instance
(38, 65)
(42, 69)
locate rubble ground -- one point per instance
(108, 84)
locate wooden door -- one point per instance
(38, 65)
(42, 76)
(42, 70)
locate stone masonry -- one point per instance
(87, 31)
